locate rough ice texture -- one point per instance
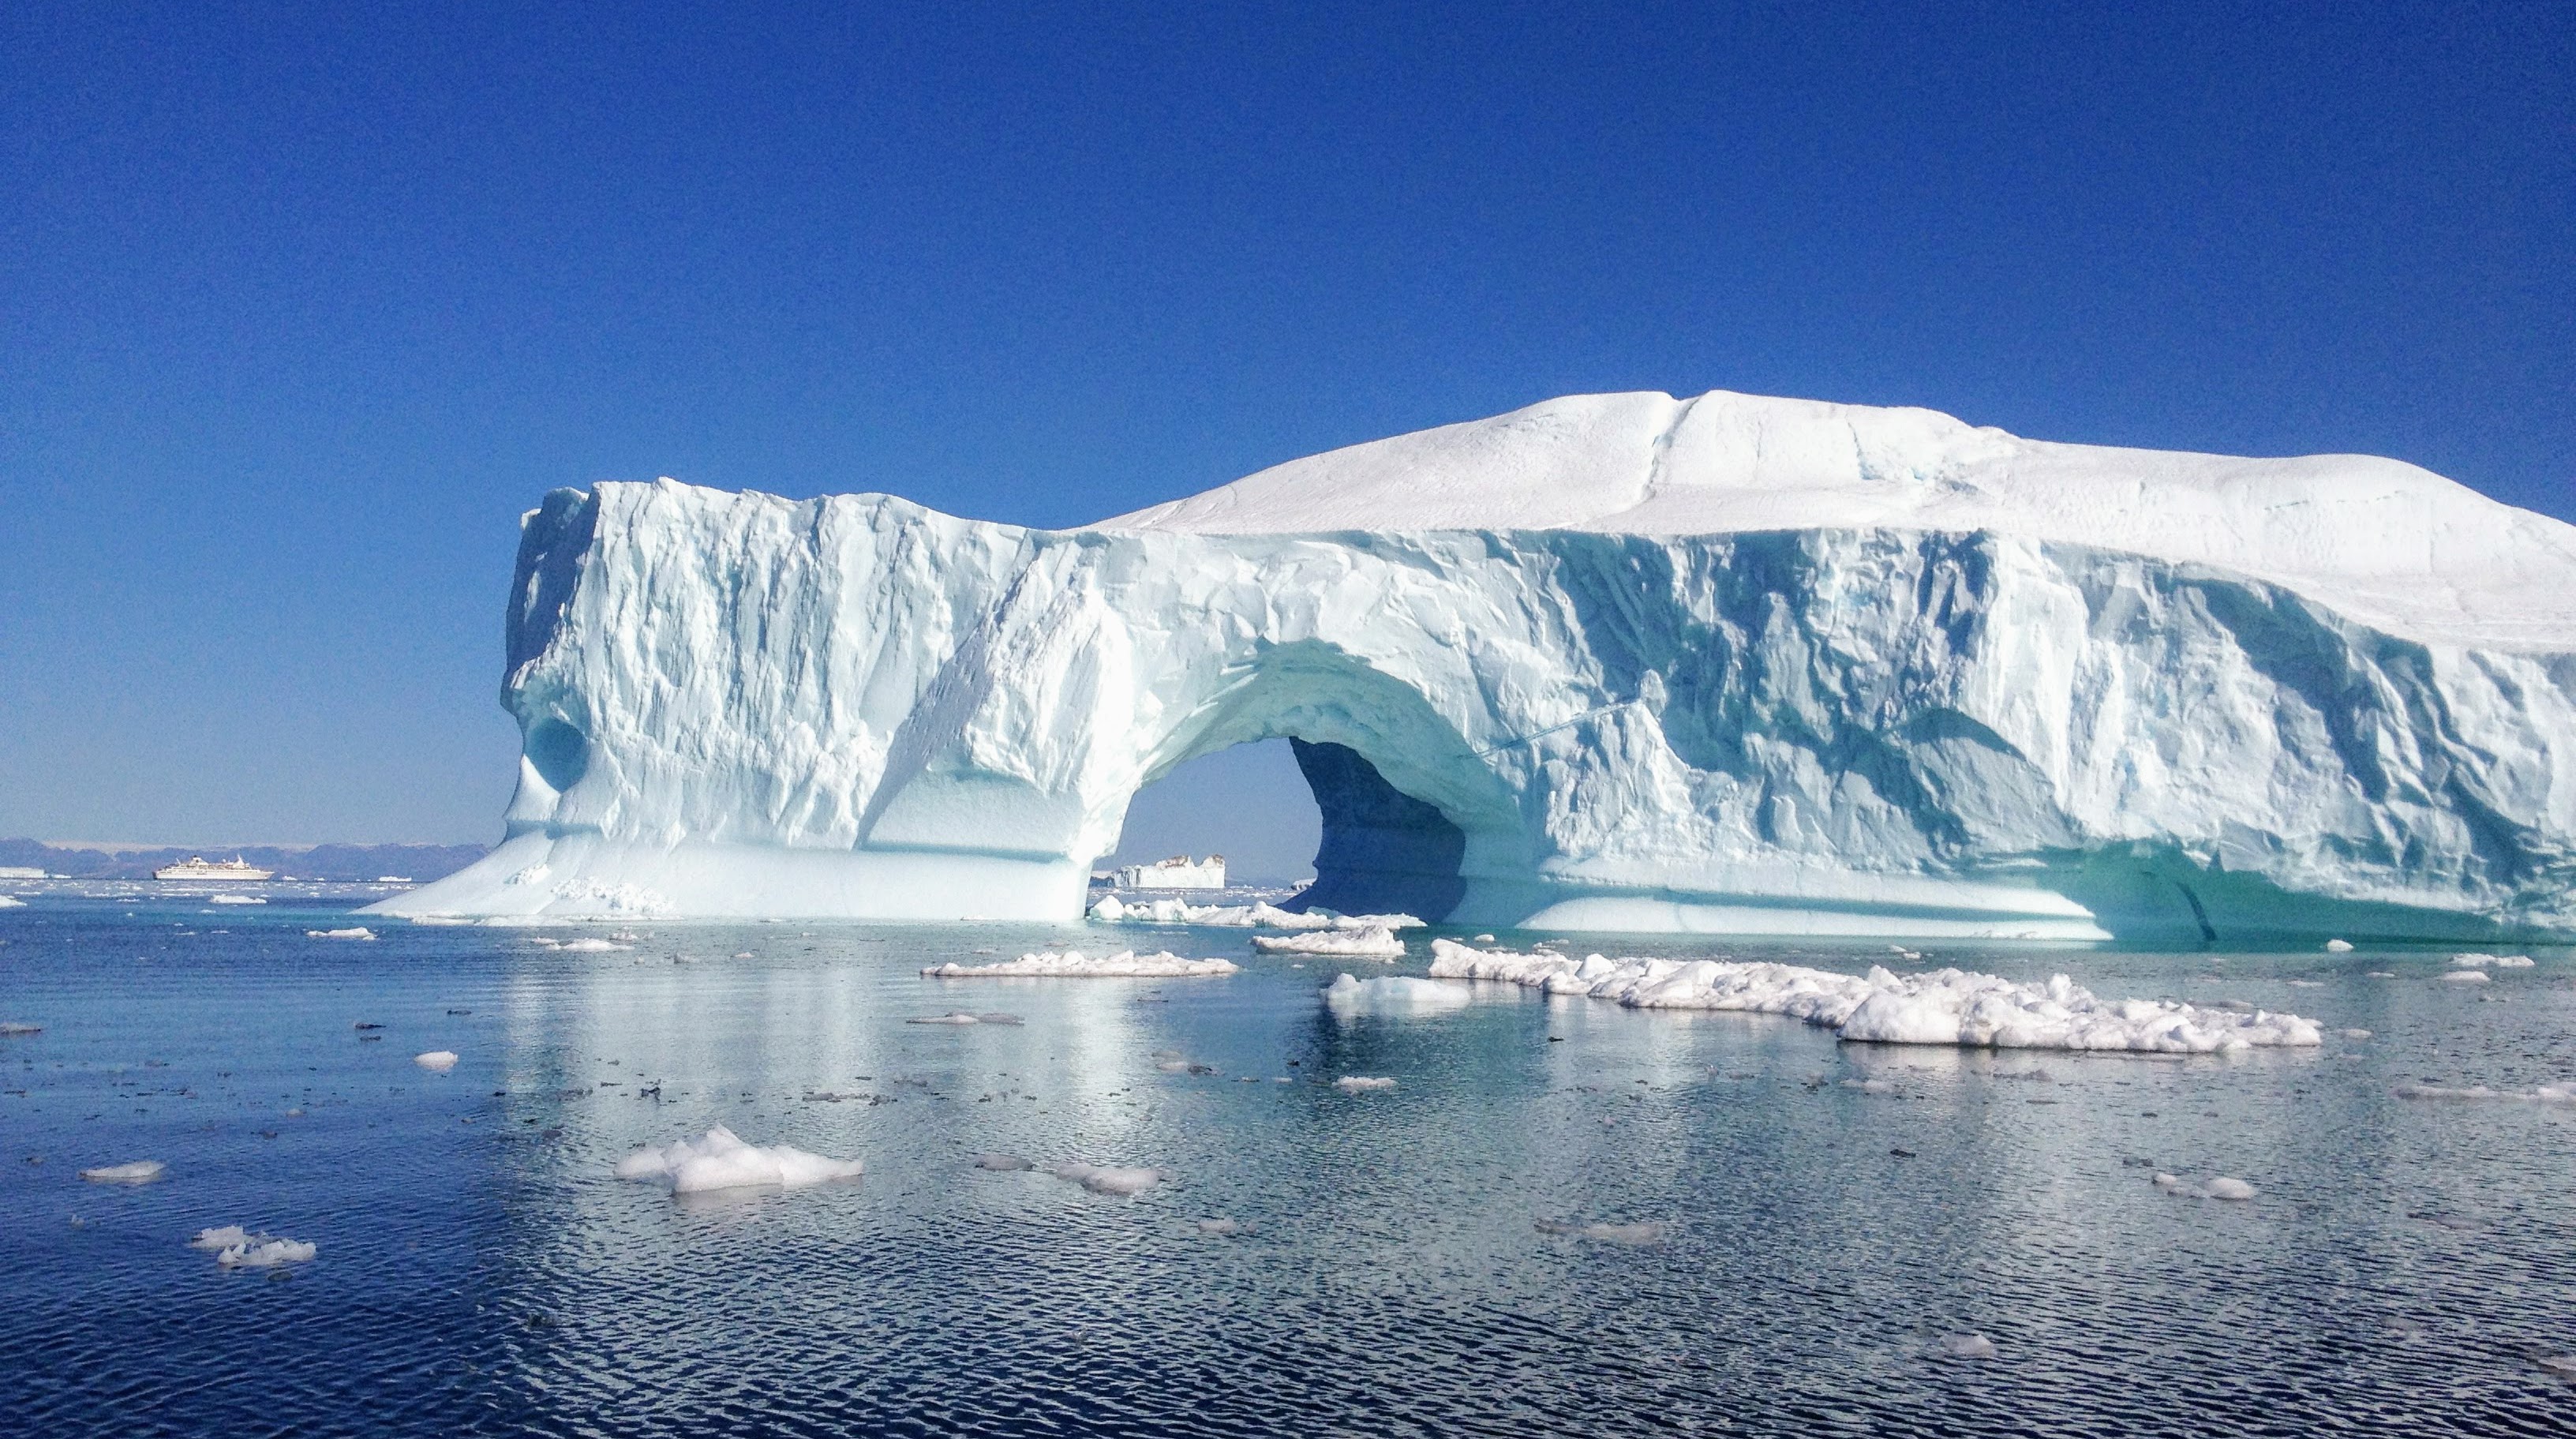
(1947, 1006)
(1074, 964)
(1374, 942)
(720, 1160)
(1725, 664)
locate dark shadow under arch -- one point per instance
(1383, 851)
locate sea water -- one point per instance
(1563, 1217)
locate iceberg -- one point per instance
(1073, 963)
(1726, 664)
(1374, 942)
(1943, 1007)
(721, 1160)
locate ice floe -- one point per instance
(235, 899)
(139, 1171)
(1222, 1226)
(359, 932)
(437, 1061)
(1110, 1178)
(1258, 915)
(1074, 964)
(1374, 942)
(1945, 1006)
(2544, 1094)
(2491, 961)
(593, 945)
(1966, 1346)
(1362, 1083)
(264, 1254)
(2218, 1187)
(223, 1237)
(1393, 994)
(16, 1027)
(2338, 946)
(2468, 976)
(721, 1160)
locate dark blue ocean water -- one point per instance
(2405, 1268)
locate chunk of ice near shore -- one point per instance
(1943, 1007)
(721, 1160)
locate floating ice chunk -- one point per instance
(11, 901)
(1002, 1163)
(953, 1016)
(1870, 1086)
(1374, 942)
(1074, 964)
(592, 945)
(1361, 1083)
(2219, 1187)
(1110, 1178)
(1967, 1346)
(1223, 1226)
(224, 1237)
(235, 899)
(265, 1254)
(2468, 976)
(1650, 1231)
(2544, 1094)
(2356, 1034)
(139, 1171)
(1394, 994)
(1258, 915)
(360, 932)
(720, 1160)
(2338, 946)
(2562, 1366)
(437, 1061)
(1945, 1006)
(2494, 961)
(15, 1026)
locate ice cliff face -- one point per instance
(1611, 662)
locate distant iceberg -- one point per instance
(1613, 662)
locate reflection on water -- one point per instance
(1565, 1218)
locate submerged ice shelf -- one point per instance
(1614, 662)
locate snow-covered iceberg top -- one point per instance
(1074, 964)
(721, 1160)
(1946, 1006)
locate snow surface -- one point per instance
(720, 1160)
(1074, 964)
(1374, 942)
(1725, 665)
(1947, 1006)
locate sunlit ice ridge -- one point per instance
(1728, 664)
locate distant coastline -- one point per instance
(422, 862)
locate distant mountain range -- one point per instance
(422, 862)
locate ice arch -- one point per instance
(1723, 664)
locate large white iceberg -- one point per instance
(1726, 664)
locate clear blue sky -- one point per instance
(299, 308)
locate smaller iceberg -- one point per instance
(1125, 1180)
(437, 1061)
(360, 932)
(1074, 964)
(1362, 1083)
(237, 1248)
(140, 1171)
(1394, 994)
(721, 1160)
(2219, 1187)
(1374, 942)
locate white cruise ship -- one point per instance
(202, 868)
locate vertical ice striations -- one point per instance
(1625, 662)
